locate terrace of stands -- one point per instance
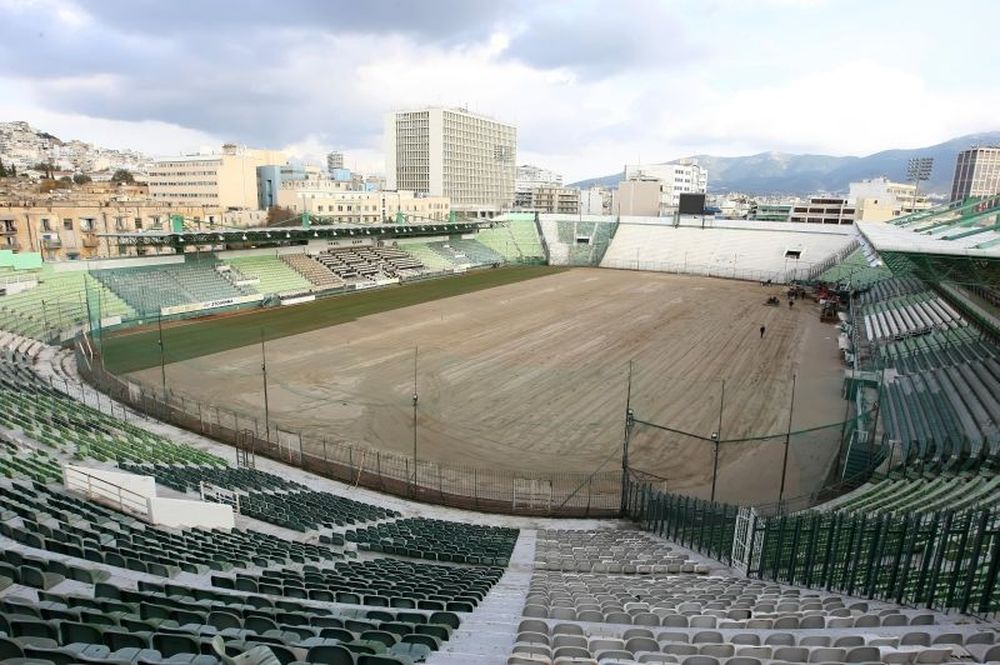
(325, 573)
(274, 275)
(454, 254)
(148, 289)
(741, 250)
(83, 583)
(515, 239)
(577, 241)
(58, 302)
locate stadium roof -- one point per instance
(900, 239)
(285, 234)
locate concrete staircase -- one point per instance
(487, 635)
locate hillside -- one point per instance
(785, 173)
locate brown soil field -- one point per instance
(533, 376)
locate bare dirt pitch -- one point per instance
(532, 376)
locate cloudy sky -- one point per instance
(589, 84)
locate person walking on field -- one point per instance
(762, 331)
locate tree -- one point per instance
(13, 171)
(277, 214)
(81, 178)
(47, 169)
(122, 177)
(3, 170)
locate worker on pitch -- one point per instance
(763, 329)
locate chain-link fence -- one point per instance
(596, 494)
(947, 561)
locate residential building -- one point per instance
(823, 210)
(899, 198)
(361, 206)
(226, 180)
(553, 199)
(640, 197)
(528, 178)
(272, 179)
(770, 212)
(71, 229)
(684, 177)
(977, 173)
(467, 158)
(595, 201)
(334, 161)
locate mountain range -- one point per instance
(787, 173)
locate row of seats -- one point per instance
(440, 540)
(951, 411)
(60, 301)
(54, 520)
(273, 274)
(514, 239)
(188, 478)
(148, 289)
(307, 510)
(940, 348)
(155, 624)
(266, 496)
(321, 277)
(887, 289)
(375, 582)
(945, 492)
(53, 419)
(38, 465)
(750, 250)
(367, 262)
(616, 552)
(854, 272)
(908, 315)
(537, 643)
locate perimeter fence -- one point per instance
(945, 561)
(596, 494)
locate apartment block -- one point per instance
(443, 152)
(226, 180)
(977, 173)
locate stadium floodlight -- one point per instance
(918, 169)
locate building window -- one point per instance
(46, 224)
(138, 223)
(68, 224)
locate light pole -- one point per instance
(716, 436)
(788, 438)
(918, 169)
(416, 351)
(263, 368)
(163, 366)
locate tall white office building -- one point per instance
(454, 153)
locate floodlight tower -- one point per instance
(918, 169)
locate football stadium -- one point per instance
(535, 439)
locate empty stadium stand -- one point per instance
(368, 263)
(577, 241)
(274, 275)
(58, 303)
(317, 274)
(741, 250)
(148, 289)
(514, 238)
(439, 540)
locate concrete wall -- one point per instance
(138, 496)
(190, 514)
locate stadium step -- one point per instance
(487, 635)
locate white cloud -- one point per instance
(793, 75)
